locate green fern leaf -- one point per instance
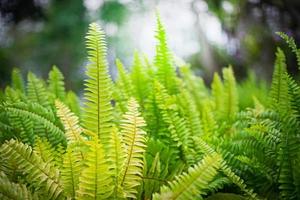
(230, 94)
(95, 181)
(98, 109)
(36, 90)
(39, 174)
(279, 96)
(291, 42)
(70, 172)
(218, 94)
(42, 116)
(192, 184)
(163, 60)
(56, 84)
(134, 139)
(116, 159)
(17, 80)
(73, 103)
(13, 191)
(70, 121)
(139, 80)
(43, 149)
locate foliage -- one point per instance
(156, 132)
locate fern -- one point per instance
(10, 190)
(71, 123)
(70, 172)
(36, 90)
(98, 110)
(116, 159)
(95, 181)
(230, 94)
(17, 80)
(192, 184)
(43, 116)
(56, 84)
(163, 59)
(41, 175)
(134, 139)
(279, 97)
(291, 42)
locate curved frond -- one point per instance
(40, 175)
(40, 115)
(194, 183)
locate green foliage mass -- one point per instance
(156, 132)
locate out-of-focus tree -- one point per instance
(251, 27)
(38, 34)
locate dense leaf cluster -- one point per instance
(157, 132)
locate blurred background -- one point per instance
(209, 34)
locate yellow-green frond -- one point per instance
(42, 176)
(98, 95)
(134, 138)
(95, 180)
(70, 172)
(71, 123)
(192, 185)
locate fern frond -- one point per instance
(179, 135)
(95, 180)
(193, 184)
(123, 87)
(134, 138)
(98, 110)
(70, 121)
(43, 149)
(230, 94)
(279, 97)
(208, 150)
(36, 90)
(195, 85)
(139, 80)
(56, 84)
(14, 191)
(217, 89)
(40, 175)
(23, 127)
(73, 103)
(70, 172)
(163, 60)
(17, 80)
(116, 159)
(291, 42)
(40, 115)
